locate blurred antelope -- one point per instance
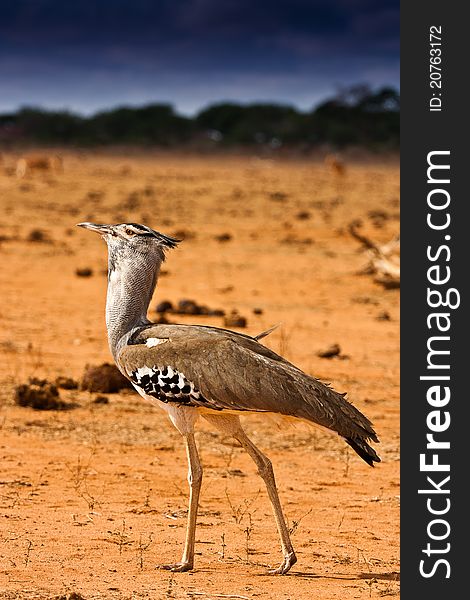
(335, 165)
(38, 162)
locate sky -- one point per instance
(90, 55)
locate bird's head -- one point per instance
(129, 242)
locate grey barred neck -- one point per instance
(130, 289)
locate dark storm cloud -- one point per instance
(90, 53)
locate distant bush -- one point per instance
(356, 116)
(152, 124)
(359, 117)
(255, 123)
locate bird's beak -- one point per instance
(101, 229)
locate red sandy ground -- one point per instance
(93, 498)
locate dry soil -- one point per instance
(93, 498)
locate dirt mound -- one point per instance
(105, 378)
(41, 395)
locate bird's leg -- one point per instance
(265, 469)
(195, 480)
(230, 424)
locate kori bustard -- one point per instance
(194, 370)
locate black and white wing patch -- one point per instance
(168, 385)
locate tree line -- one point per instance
(357, 116)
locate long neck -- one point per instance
(130, 289)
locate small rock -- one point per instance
(303, 215)
(236, 473)
(162, 320)
(66, 383)
(364, 300)
(101, 400)
(188, 307)
(132, 201)
(183, 234)
(389, 283)
(234, 320)
(164, 306)
(257, 311)
(37, 235)
(70, 596)
(203, 309)
(95, 195)
(384, 316)
(104, 378)
(294, 240)
(223, 237)
(333, 350)
(85, 272)
(278, 196)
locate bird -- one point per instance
(193, 371)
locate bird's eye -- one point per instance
(129, 231)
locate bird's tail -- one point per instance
(365, 451)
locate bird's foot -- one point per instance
(289, 560)
(179, 567)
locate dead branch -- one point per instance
(384, 260)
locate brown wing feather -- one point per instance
(236, 372)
